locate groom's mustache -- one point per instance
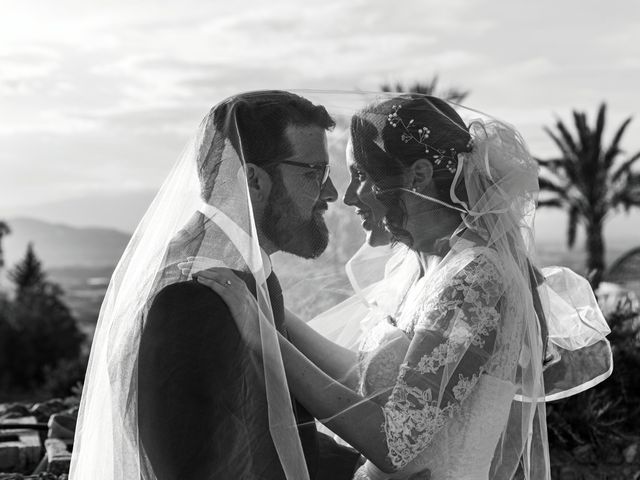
(321, 206)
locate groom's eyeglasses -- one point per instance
(322, 168)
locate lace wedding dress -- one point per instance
(443, 372)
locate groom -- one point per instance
(200, 393)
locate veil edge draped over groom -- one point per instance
(172, 390)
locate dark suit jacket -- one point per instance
(201, 403)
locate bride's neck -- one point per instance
(426, 258)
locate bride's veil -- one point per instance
(202, 210)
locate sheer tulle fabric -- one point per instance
(219, 231)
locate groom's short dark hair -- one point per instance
(262, 118)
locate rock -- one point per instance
(58, 457)
(72, 411)
(62, 426)
(630, 453)
(9, 455)
(25, 442)
(15, 410)
(42, 411)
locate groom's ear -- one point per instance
(421, 174)
(259, 183)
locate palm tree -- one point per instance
(428, 88)
(4, 230)
(589, 181)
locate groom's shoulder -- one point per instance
(182, 318)
(185, 299)
(187, 288)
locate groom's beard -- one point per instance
(285, 226)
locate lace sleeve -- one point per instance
(455, 335)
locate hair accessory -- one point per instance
(413, 132)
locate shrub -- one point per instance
(39, 329)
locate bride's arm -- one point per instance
(355, 419)
(336, 361)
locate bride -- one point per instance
(447, 380)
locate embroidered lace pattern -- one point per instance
(455, 327)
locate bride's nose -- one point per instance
(350, 197)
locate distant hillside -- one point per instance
(121, 211)
(61, 245)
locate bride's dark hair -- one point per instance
(389, 137)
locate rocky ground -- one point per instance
(36, 439)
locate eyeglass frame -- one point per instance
(325, 167)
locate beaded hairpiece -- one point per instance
(413, 132)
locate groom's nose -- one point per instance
(329, 192)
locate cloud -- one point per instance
(112, 90)
(23, 69)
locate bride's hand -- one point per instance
(192, 266)
(242, 305)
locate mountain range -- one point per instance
(59, 245)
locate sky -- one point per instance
(98, 97)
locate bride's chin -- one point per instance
(377, 237)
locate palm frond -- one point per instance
(430, 87)
(550, 203)
(624, 168)
(566, 149)
(455, 95)
(596, 136)
(614, 147)
(555, 165)
(567, 137)
(628, 195)
(551, 186)
(584, 132)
